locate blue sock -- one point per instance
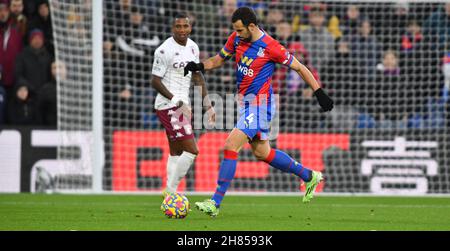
(280, 160)
(226, 174)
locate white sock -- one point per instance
(183, 164)
(171, 170)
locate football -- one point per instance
(175, 206)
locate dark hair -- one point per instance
(43, 2)
(413, 21)
(318, 10)
(135, 10)
(246, 15)
(180, 15)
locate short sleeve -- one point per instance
(280, 55)
(159, 63)
(197, 54)
(229, 48)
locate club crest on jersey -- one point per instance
(260, 52)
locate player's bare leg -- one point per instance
(280, 160)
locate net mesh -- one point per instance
(385, 64)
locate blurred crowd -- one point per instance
(27, 80)
(386, 65)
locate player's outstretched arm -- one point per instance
(325, 102)
(209, 64)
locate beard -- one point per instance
(247, 40)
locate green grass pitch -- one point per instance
(255, 213)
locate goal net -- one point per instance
(385, 64)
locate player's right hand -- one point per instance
(325, 102)
(177, 100)
(193, 67)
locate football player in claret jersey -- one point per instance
(256, 54)
(172, 101)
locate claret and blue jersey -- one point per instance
(255, 65)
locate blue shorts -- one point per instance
(255, 120)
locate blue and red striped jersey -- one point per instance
(255, 62)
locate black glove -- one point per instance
(324, 101)
(192, 66)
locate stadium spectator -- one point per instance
(227, 9)
(365, 50)
(224, 13)
(412, 37)
(318, 40)
(125, 13)
(205, 11)
(110, 29)
(437, 29)
(2, 99)
(33, 63)
(47, 103)
(114, 77)
(150, 8)
(350, 21)
(388, 95)
(22, 108)
(283, 34)
(273, 18)
(446, 89)
(30, 7)
(446, 72)
(341, 77)
(127, 52)
(389, 24)
(11, 45)
(285, 81)
(135, 47)
(344, 88)
(18, 18)
(295, 93)
(333, 27)
(302, 115)
(137, 40)
(415, 62)
(119, 12)
(43, 22)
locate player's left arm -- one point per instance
(325, 102)
(305, 73)
(199, 80)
